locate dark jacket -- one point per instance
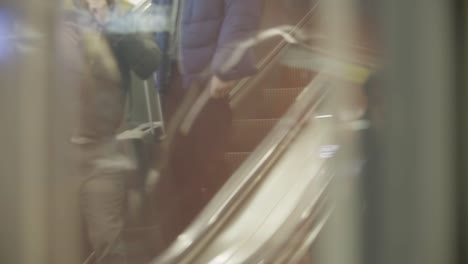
(96, 68)
(210, 30)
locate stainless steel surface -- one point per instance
(300, 174)
(294, 237)
(314, 57)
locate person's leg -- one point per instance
(211, 137)
(197, 159)
(103, 199)
(184, 175)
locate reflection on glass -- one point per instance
(169, 115)
(7, 39)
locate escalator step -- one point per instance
(266, 103)
(247, 133)
(141, 242)
(235, 159)
(291, 77)
(286, 77)
(251, 106)
(277, 101)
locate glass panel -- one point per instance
(139, 131)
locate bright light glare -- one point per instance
(323, 116)
(328, 151)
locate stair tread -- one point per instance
(260, 107)
(277, 101)
(295, 76)
(247, 133)
(235, 159)
(254, 119)
(237, 153)
(282, 90)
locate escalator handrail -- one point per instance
(244, 180)
(243, 86)
(367, 61)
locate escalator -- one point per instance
(282, 154)
(284, 150)
(251, 124)
(274, 204)
(270, 191)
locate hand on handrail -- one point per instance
(219, 88)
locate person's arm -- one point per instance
(241, 21)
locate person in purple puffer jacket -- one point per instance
(210, 30)
(207, 32)
(206, 36)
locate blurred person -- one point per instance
(207, 33)
(96, 65)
